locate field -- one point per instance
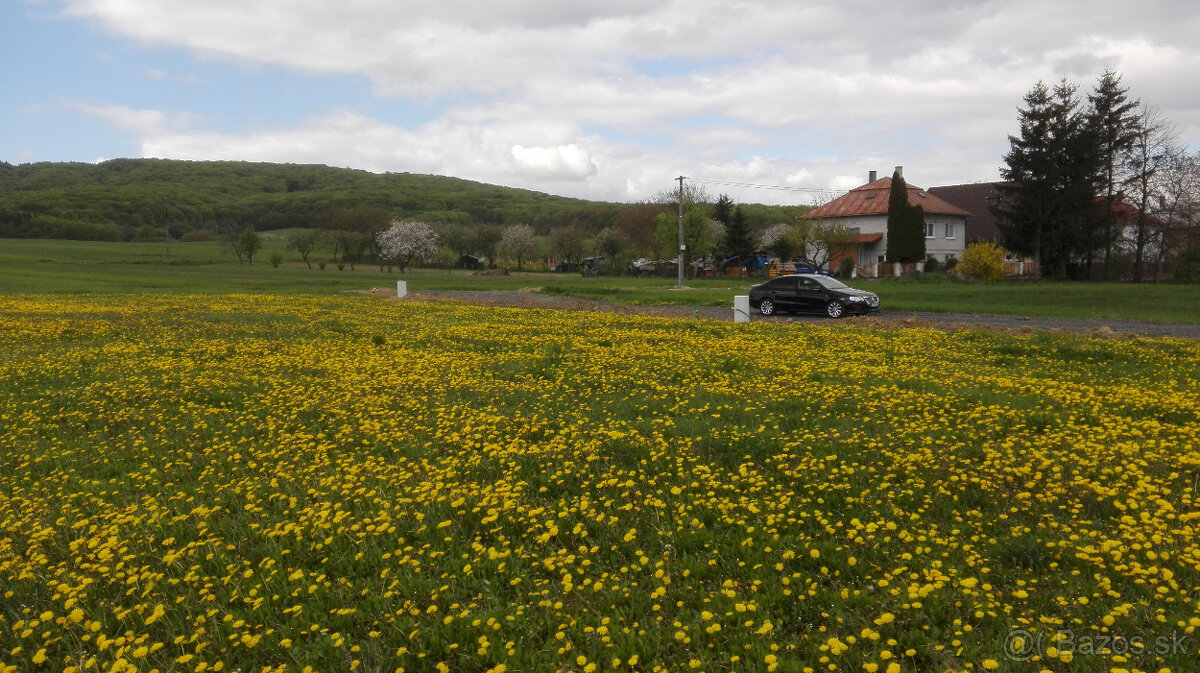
(60, 267)
(303, 482)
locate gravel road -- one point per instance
(884, 319)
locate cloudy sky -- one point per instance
(599, 99)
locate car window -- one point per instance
(831, 283)
(809, 284)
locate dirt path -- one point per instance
(884, 319)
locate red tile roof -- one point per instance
(872, 199)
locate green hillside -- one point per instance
(113, 199)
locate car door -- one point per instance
(783, 292)
(810, 295)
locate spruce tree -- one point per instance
(1048, 207)
(723, 210)
(738, 241)
(1114, 122)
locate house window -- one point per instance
(949, 230)
(929, 230)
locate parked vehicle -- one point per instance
(811, 293)
(809, 266)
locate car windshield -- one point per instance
(831, 283)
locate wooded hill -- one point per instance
(113, 200)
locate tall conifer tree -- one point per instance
(1114, 121)
(905, 224)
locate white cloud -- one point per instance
(613, 98)
(566, 162)
(144, 122)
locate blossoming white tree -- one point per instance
(518, 242)
(406, 242)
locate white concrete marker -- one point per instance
(741, 308)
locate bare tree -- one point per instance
(1147, 156)
(1176, 225)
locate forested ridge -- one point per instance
(115, 199)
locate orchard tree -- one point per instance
(613, 245)
(776, 240)
(247, 244)
(518, 242)
(484, 242)
(351, 232)
(406, 242)
(303, 242)
(819, 240)
(699, 234)
(569, 243)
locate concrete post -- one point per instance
(741, 308)
(401, 289)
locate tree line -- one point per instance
(343, 212)
(1099, 186)
(719, 231)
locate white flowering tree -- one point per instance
(406, 242)
(518, 242)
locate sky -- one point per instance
(780, 102)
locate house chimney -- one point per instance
(900, 171)
(872, 177)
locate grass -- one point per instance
(1162, 302)
(72, 267)
(274, 482)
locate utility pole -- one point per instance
(682, 246)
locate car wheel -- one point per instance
(835, 309)
(767, 307)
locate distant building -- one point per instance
(864, 210)
(977, 199)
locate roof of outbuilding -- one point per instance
(872, 199)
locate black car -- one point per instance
(811, 293)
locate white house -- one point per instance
(864, 211)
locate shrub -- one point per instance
(983, 260)
(932, 265)
(951, 263)
(276, 259)
(846, 267)
(321, 265)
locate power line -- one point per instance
(784, 188)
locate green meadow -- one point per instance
(72, 267)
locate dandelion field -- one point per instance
(208, 483)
